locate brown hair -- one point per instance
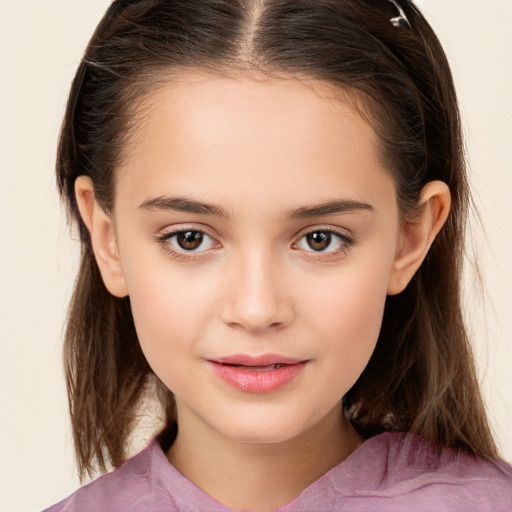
(421, 376)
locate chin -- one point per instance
(265, 429)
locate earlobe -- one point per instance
(419, 233)
(103, 238)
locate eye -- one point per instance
(324, 241)
(189, 241)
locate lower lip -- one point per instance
(257, 381)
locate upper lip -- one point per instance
(262, 360)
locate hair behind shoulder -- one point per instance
(421, 377)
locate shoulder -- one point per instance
(409, 473)
(412, 456)
(132, 486)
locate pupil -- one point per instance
(189, 240)
(319, 240)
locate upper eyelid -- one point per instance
(168, 232)
(343, 232)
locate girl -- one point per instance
(271, 199)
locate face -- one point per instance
(256, 229)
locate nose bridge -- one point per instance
(256, 298)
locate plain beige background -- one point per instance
(40, 46)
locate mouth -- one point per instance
(256, 361)
(250, 368)
(261, 374)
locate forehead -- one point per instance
(246, 137)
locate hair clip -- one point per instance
(401, 20)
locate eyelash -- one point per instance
(165, 241)
(345, 242)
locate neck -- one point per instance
(267, 475)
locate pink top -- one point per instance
(389, 472)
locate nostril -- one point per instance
(253, 310)
(256, 327)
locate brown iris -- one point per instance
(319, 240)
(189, 240)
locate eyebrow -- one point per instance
(183, 204)
(330, 208)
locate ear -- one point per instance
(419, 233)
(103, 237)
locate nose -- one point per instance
(256, 299)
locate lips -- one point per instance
(260, 374)
(268, 367)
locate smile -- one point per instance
(263, 374)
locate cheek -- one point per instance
(170, 313)
(354, 295)
(348, 319)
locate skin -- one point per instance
(263, 152)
